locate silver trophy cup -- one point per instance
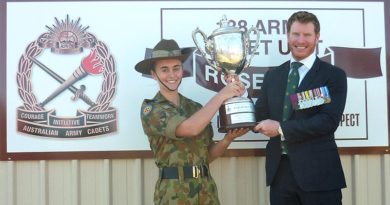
(227, 50)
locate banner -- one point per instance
(71, 85)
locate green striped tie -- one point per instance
(292, 84)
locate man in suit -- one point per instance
(302, 161)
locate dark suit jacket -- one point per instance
(309, 133)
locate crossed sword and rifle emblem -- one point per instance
(91, 64)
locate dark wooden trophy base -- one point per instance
(237, 112)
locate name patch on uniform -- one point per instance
(310, 98)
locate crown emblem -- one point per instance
(67, 37)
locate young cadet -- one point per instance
(180, 132)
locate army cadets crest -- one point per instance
(64, 38)
(147, 109)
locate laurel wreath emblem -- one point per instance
(35, 48)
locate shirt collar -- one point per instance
(159, 98)
(307, 62)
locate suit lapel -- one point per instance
(283, 75)
(309, 77)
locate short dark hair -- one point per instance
(303, 17)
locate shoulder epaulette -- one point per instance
(147, 101)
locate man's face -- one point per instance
(302, 40)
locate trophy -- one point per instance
(226, 50)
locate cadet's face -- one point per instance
(302, 40)
(170, 72)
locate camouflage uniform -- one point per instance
(159, 120)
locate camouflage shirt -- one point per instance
(159, 120)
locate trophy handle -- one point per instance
(209, 62)
(247, 40)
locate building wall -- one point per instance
(240, 180)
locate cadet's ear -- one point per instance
(153, 74)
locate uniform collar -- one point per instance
(159, 98)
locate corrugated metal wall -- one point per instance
(240, 180)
